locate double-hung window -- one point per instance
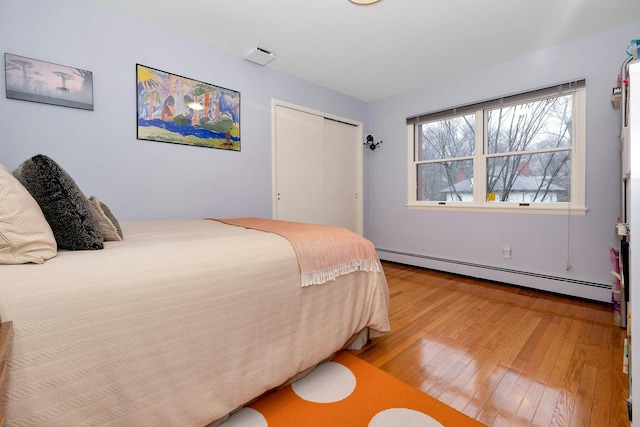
(521, 153)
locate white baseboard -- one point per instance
(556, 284)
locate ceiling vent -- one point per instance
(260, 55)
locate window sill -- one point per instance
(510, 208)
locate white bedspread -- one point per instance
(177, 325)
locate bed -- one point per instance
(178, 324)
(166, 323)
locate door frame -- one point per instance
(358, 145)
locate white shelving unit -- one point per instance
(633, 190)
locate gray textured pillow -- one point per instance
(66, 209)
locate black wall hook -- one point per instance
(372, 145)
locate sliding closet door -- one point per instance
(299, 156)
(340, 191)
(317, 169)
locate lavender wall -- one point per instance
(144, 179)
(542, 244)
(152, 180)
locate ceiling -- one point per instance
(375, 51)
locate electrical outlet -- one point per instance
(506, 251)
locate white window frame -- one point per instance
(578, 148)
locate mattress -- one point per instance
(177, 325)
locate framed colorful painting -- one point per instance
(180, 110)
(29, 79)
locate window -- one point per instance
(523, 153)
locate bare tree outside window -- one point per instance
(536, 136)
(451, 140)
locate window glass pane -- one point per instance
(444, 139)
(445, 181)
(529, 178)
(535, 125)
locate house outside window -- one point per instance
(522, 153)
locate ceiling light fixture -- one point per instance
(364, 1)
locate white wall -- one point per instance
(144, 179)
(541, 244)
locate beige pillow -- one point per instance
(108, 224)
(25, 234)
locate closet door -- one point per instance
(299, 166)
(340, 166)
(317, 169)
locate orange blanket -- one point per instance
(324, 252)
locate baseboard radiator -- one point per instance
(544, 282)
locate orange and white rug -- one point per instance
(349, 392)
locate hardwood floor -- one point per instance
(502, 355)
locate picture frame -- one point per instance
(179, 110)
(29, 79)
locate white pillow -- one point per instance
(25, 234)
(110, 231)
